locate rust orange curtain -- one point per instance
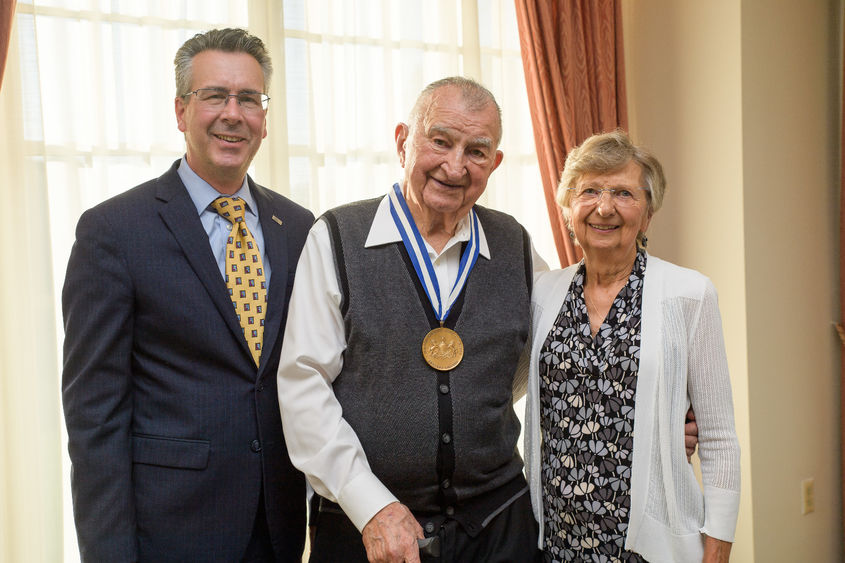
(572, 54)
(7, 13)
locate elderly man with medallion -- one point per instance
(407, 321)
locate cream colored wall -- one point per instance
(738, 100)
(790, 143)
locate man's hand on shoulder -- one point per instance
(391, 535)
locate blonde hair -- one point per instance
(609, 152)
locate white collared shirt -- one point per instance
(446, 262)
(320, 442)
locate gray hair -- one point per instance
(474, 95)
(609, 152)
(229, 40)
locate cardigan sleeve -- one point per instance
(709, 388)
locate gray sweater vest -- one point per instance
(435, 439)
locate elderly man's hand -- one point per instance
(391, 535)
(690, 434)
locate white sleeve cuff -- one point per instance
(721, 509)
(363, 497)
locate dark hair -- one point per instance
(230, 40)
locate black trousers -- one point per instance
(511, 537)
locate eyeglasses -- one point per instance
(217, 98)
(623, 197)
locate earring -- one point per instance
(643, 240)
(572, 235)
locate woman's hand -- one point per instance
(716, 551)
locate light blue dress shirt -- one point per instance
(217, 227)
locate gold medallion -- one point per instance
(442, 349)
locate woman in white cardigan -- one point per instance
(622, 344)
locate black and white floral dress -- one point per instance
(587, 388)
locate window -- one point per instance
(95, 87)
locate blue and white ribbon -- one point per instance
(415, 246)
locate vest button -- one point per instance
(446, 483)
(255, 446)
(429, 527)
(446, 438)
(450, 510)
(444, 388)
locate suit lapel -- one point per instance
(180, 216)
(275, 252)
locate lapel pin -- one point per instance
(277, 220)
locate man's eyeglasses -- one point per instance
(217, 98)
(623, 197)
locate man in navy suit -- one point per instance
(172, 417)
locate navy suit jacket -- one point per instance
(173, 431)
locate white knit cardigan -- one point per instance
(682, 362)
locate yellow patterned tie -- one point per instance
(244, 273)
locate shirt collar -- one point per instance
(384, 231)
(202, 194)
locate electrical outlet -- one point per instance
(808, 496)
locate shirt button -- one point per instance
(444, 388)
(429, 527)
(450, 510)
(446, 438)
(255, 446)
(446, 483)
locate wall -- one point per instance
(739, 101)
(790, 145)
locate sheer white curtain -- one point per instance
(86, 103)
(352, 71)
(30, 455)
(86, 112)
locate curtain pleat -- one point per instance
(573, 60)
(7, 14)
